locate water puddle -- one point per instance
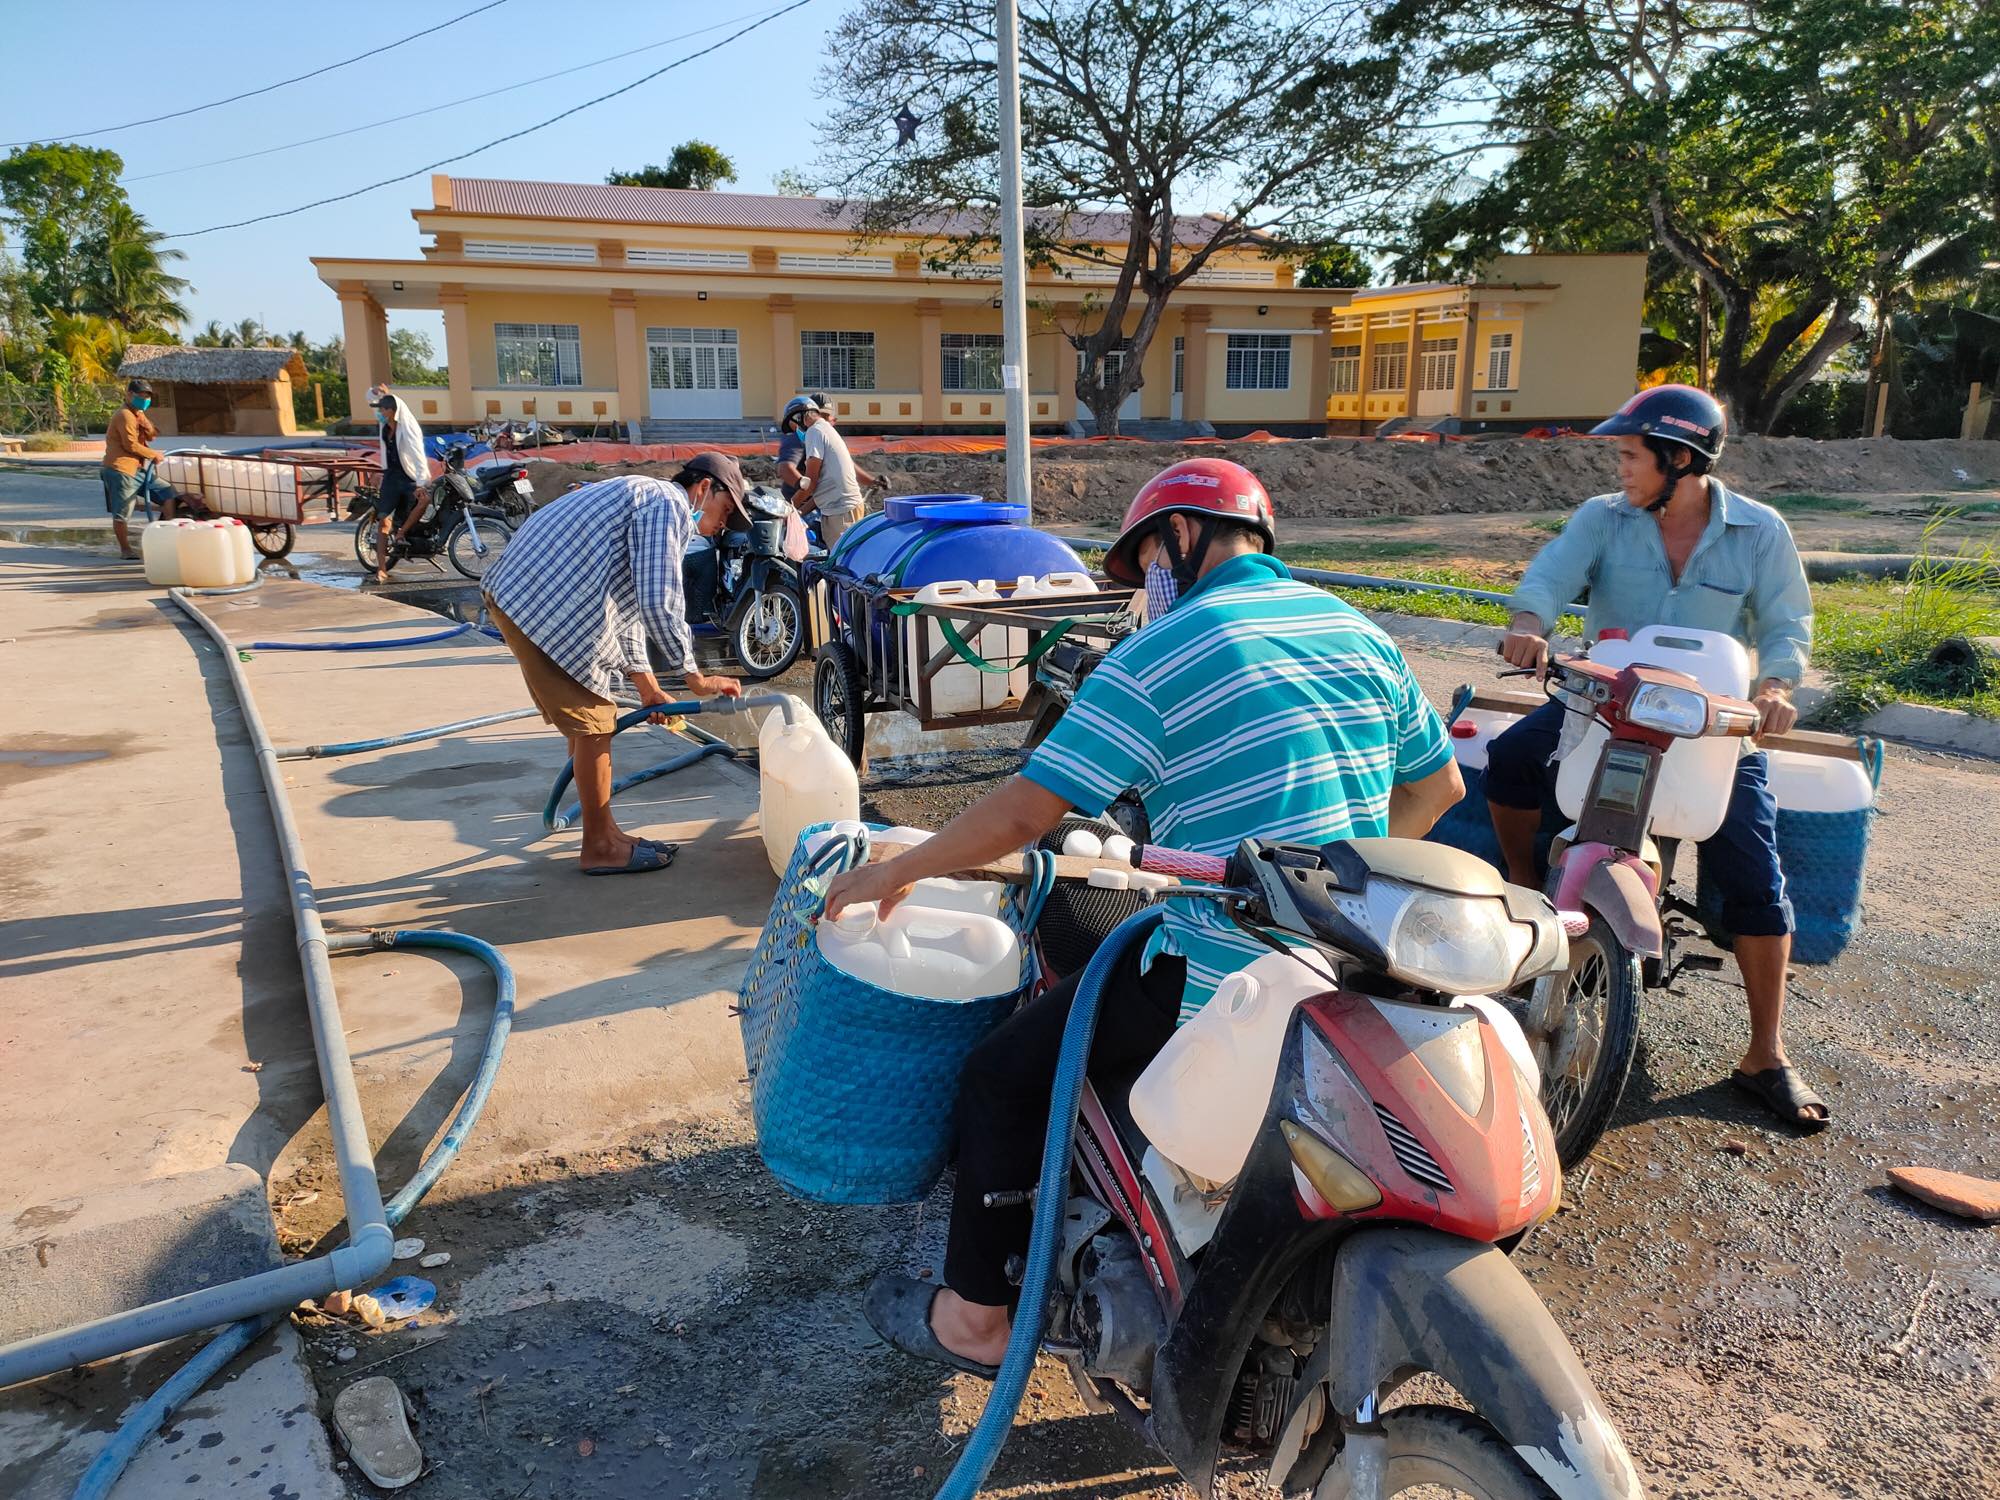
(42, 759)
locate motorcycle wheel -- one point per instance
(1440, 1450)
(1583, 1027)
(839, 700)
(273, 541)
(494, 534)
(366, 537)
(769, 633)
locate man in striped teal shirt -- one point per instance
(1251, 705)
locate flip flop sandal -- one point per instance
(667, 850)
(646, 858)
(899, 1308)
(372, 1421)
(1786, 1095)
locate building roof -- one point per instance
(682, 208)
(192, 366)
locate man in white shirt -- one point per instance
(829, 479)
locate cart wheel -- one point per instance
(274, 541)
(838, 698)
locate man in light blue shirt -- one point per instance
(1677, 547)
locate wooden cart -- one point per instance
(269, 494)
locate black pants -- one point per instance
(1003, 1109)
(700, 571)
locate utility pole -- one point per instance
(1013, 261)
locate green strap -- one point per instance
(971, 657)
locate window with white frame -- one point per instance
(1258, 362)
(837, 361)
(971, 361)
(1500, 362)
(538, 353)
(1439, 371)
(1344, 369)
(585, 255)
(1392, 367)
(688, 260)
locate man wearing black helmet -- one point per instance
(1677, 547)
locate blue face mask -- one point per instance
(142, 403)
(1163, 591)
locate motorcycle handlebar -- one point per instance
(1182, 864)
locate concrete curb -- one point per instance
(1915, 724)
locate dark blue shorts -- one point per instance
(1740, 858)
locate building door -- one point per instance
(1180, 366)
(693, 373)
(1114, 363)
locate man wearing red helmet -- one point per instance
(1251, 705)
(1676, 546)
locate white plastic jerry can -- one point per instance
(1697, 776)
(924, 950)
(1818, 783)
(1201, 1099)
(160, 552)
(959, 687)
(241, 549)
(1474, 730)
(802, 779)
(207, 559)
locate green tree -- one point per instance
(1793, 160)
(126, 277)
(1286, 119)
(410, 356)
(694, 164)
(59, 199)
(1335, 266)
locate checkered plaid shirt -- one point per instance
(590, 575)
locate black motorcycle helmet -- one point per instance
(1684, 426)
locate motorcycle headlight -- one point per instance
(1458, 945)
(1671, 710)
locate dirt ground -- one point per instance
(1333, 477)
(1762, 1316)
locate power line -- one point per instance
(286, 213)
(196, 109)
(417, 114)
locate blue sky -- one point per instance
(101, 64)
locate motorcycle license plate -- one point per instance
(525, 490)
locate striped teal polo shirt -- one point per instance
(1260, 707)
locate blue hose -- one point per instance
(996, 1421)
(111, 1461)
(389, 742)
(371, 644)
(555, 821)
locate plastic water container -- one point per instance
(923, 950)
(1068, 581)
(802, 779)
(961, 687)
(1696, 776)
(1818, 783)
(1473, 730)
(160, 551)
(1201, 1100)
(1053, 585)
(240, 544)
(208, 556)
(979, 896)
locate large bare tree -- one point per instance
(1180, 129)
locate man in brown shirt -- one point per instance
(127, 449)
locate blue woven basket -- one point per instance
(853, 1086)
(1824, 856)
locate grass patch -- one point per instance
(1876, 545)
(46, 442)
(1829, 504)
(1945, 507)
(1549, 525)
(1388, 518)
(1876, 638)
(1338, 554)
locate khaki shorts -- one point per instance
(833, 522)
(564, 702)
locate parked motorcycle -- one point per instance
(759, 604)
(1610, 879)
(1401, 1148)
(467, 521)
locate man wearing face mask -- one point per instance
(128, 439)
(405, 472)
(1251, 706)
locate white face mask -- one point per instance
(1163, 591)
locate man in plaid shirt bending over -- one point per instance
(575, 595)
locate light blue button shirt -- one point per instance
(1743, 578)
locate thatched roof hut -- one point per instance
(246, 392)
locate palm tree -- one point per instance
(249, 333)
(127, 280)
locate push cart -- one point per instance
(948, 664)
(267, 494)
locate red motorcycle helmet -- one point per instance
(1212, 487)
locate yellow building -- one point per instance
(657, 311)
(1532, 341)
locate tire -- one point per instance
(839, 699)
(366, 535)
(1440, 1450)
(494, 534)
(1583, 1027)
(769, 632)
(273, 541)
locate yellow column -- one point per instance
(1194, 363)
(457, 353)
(930, 360)
(1320, 385)
(1410, 369)
(630, 349)
(785, 359)
(357, 317)
(1365, 384)
(1468, 343)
